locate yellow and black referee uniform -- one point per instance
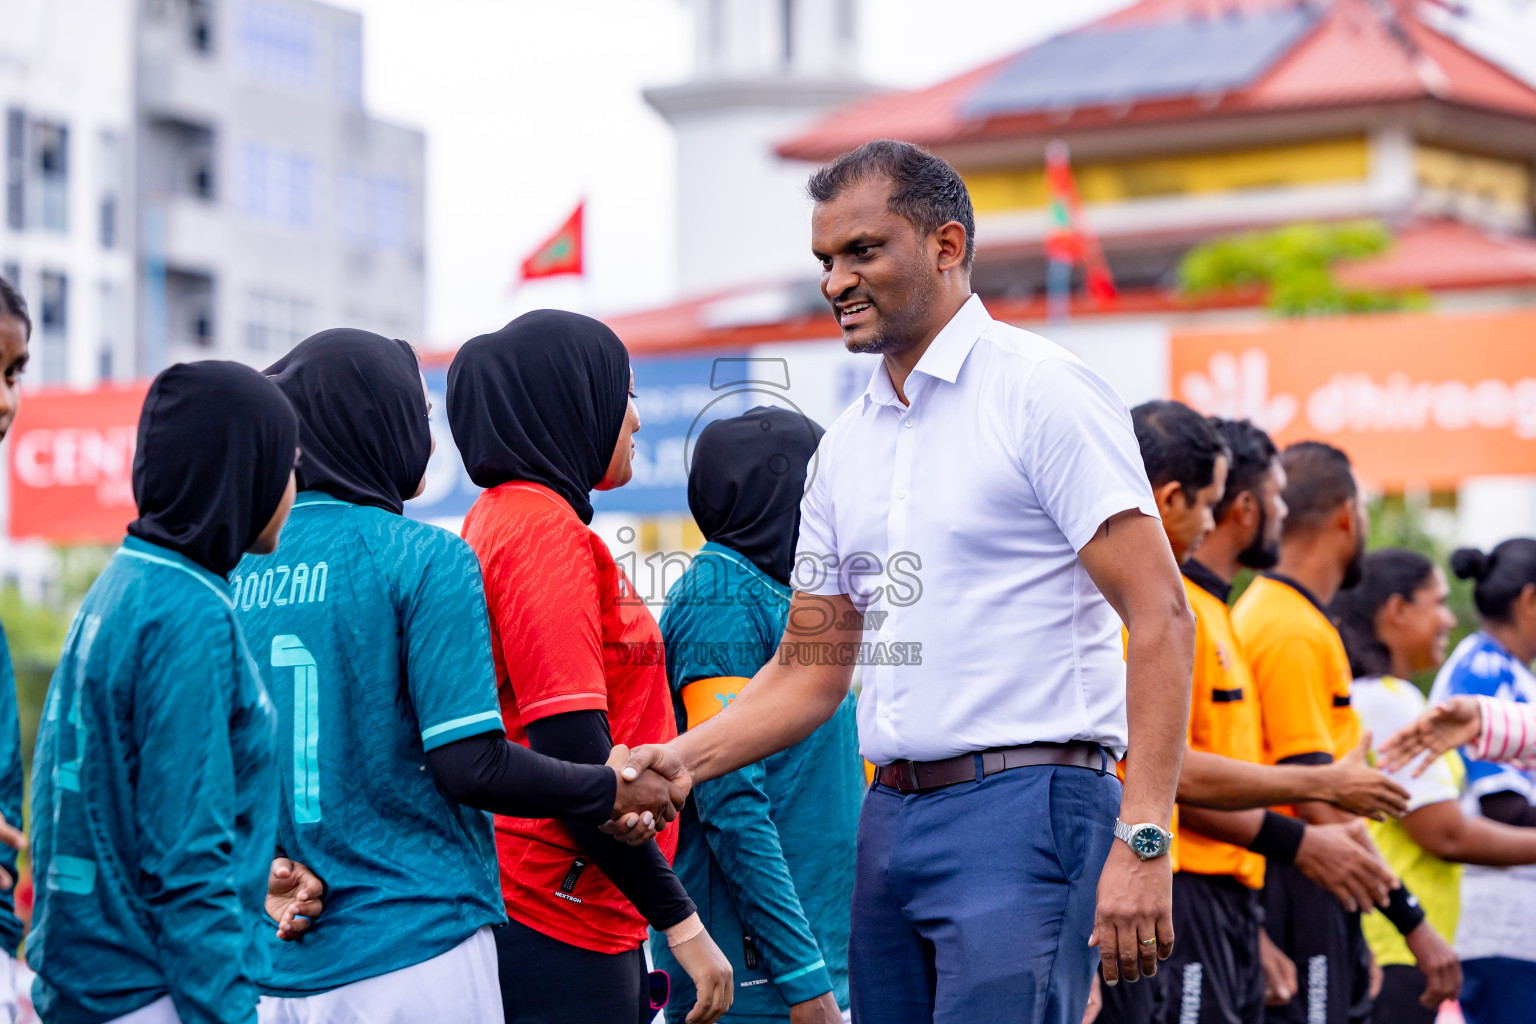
(1214, 974)
(1301, 674)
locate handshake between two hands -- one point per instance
(652, 787)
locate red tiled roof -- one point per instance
(1350, 57)
(1447, 254)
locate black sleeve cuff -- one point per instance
(1279, 838)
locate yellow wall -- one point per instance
(1275, 166)
(1505, 182)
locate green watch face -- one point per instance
(1148, 842)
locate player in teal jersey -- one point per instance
(15, 331)
(154, 790)
(766, 852)
(374, 630)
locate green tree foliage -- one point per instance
(1294, 265)
(35, 632)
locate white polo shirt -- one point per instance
(953, 524)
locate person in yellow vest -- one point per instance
(1302, 677)
(1395, 624)
(1215, 972)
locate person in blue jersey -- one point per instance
(15, 332)
(767, 852)
(1496, 935)
(154, 784)
(374, 629)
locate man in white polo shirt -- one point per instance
(983, 514)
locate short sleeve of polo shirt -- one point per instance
(1295, 698)
(451, 676)
(548, 616)
(1079, 449)
(816, 555)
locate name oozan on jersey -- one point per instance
(280, 585)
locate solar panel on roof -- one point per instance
(1094, 67)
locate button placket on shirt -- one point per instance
(903, 423)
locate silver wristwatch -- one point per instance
(1145, 840)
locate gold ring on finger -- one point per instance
(1149, 942)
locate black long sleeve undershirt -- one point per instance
(1509, 807)
(493, 774)
(641, 873)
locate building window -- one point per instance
(200, 26)
(50, 149)
(276, 43)
(275, 323)
(110, 171)
(787, 19)
(106, 349)
(53, 326)
(374, 210)
(277, 187)
(15, 169)
(347, 64)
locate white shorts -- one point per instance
(460, 986)
(161, 1011)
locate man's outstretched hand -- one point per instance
(1450, 724)
(1363, 790)
(644, 800)
(293, 897)
(1135, 902)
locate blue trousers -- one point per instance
(974, 903)
(1498, 990)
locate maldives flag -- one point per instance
(559, 254)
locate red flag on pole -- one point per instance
(1070, 240)
(559, 254)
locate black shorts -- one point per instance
(1398, 1000)
(1134, 1002)
(1214, 974)
(1324, 941)
(546, 981)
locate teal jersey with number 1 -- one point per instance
(154, 803)
(373, 632)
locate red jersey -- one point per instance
(568, 623)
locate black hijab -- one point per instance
(362, 416)
(543, 399)
(216, 445)
(745, 484)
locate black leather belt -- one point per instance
(920, 776)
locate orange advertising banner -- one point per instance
(1417, 400)
(71, 464)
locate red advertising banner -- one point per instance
(71, 464)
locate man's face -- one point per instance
(1263, 552)
(880, 277)
(1354, 569)
(1187, 519)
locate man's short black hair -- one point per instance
(1178, 445)
(1318, 479)
(1250, 455)
(925, 190)
(12, 304)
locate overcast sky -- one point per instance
(529, 105)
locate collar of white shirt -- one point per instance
(945, 355)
